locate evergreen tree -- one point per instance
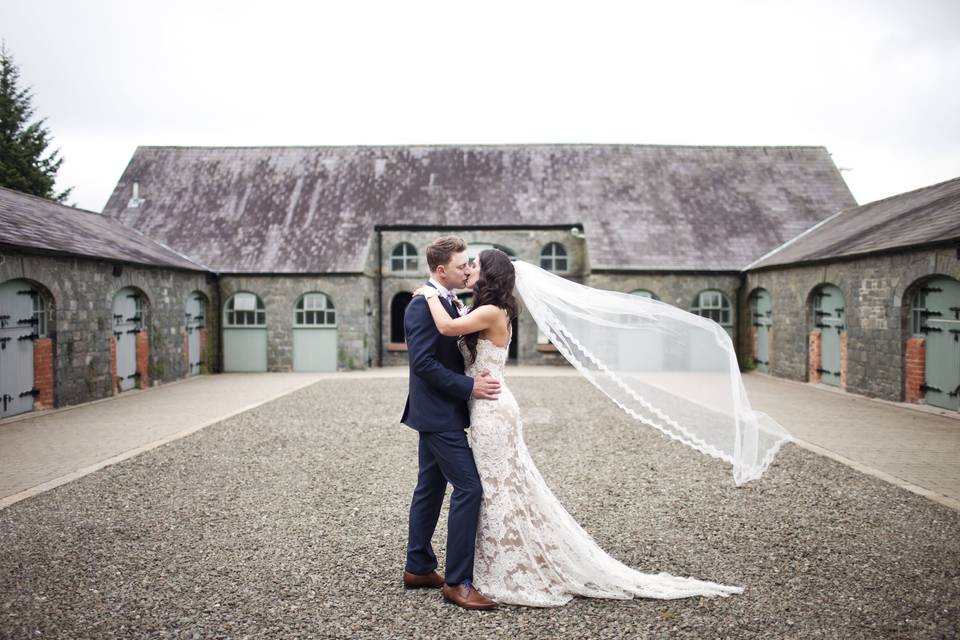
(25, 164)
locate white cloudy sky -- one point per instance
(876, 82)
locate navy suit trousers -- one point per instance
(445, 457)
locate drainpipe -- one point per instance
(218, 306)
(740, 328)
(379, 318)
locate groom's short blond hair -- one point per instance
(440, 250)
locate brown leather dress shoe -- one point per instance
(413, 581)
(464, 595)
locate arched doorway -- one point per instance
(761, 312)
(244, 334)
(315, 333)
(195, 320)
(128, 338)
(829, 320)
(398, 311)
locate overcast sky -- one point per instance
(875, 82)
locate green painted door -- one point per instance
(315, 349)
(762, 311)
(127, 320)
(244, 334)
(18, 330)
(941, 324)
(194, 316)
(244, 349)
(829, 314)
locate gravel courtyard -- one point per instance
(290, 521)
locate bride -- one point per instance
(529, 550)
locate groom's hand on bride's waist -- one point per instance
(485, 387)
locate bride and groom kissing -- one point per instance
(509, 539)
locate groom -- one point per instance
(437, 409)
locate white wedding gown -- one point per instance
(529, 550)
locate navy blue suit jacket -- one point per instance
(439, 391)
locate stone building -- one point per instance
(303, 258)
(90, 307)
(321, 246)
(868, 300)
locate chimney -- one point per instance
(136, 201)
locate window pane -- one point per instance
(558, 249)
(261, 317)
(546, 263)
(561, 264)
(245, 302)
(411, 264)
(331, 317)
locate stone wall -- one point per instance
(352, 297)
(78, 293)
(877, 293)
(525, 244)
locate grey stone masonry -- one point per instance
(877, 292)
(352, 297)
(524, 244)
(78, 294)
(678, 288)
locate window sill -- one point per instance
(396, 347)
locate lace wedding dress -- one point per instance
(529, 550)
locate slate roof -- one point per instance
(313, 209)
(927, 216)
(29, 222)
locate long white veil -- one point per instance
(668, 368)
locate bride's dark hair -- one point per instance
(495, 286)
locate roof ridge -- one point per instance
(789, 242)
(49, 201)
(906, 193)
(159, 243)
(505, 145)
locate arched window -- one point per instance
(404, 258)
(644, 293)
(398, 309)
(554, 257)
(713, 305)
(245, 310)
(315, 310)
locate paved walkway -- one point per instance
(39, 452)
(916, 449)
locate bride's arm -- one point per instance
(478, 319)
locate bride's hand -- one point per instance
(425, 291)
